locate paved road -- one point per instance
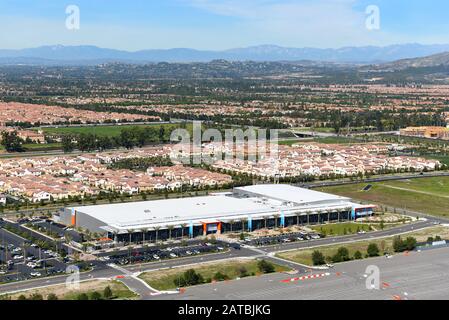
(349, 238)
(104, 271)
(415, 276)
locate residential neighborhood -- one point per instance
(60, 177)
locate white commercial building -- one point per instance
(245, 209)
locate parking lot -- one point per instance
(282, 238)
(158, 253)
(57, 230)
(20, 259)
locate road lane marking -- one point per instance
(312, 276)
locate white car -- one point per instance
(155, 256)
(173, 255)
(18, 257)
(32, 265)
(361, 232)
(189, 252)
(35, 274)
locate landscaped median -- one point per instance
(88, 290)
(344, 228)
(359, 249)
(170, 279)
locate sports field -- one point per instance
(427, 195)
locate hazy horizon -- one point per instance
(217, 25)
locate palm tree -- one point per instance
(308, 216)
(170, 229)
(349, 209)
(183, 225)
(157, 231)
(320, 213)
(68, 238)
(276, 217)
(231, 223)
(115, 233)
(130, 232)
(329, 215)
(243, 220)
(144, 231)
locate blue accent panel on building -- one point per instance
(250, 223)
(191, 229)
(282, 219)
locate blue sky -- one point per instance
(221, 24)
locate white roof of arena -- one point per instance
(288, 193)
(160, 213)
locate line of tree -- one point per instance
(400, 245)
(141, 164)
(12, 142)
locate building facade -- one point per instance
(245, 209)
(426, 132)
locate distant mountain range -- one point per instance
(435, 60)
(59, 54)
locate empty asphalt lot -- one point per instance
(413, 276)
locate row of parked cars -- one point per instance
(27, 264)
(153, 254)
(283, 238)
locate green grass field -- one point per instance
(289, 142)
(385, 245)
(339, 229)
(165, 279)
(427, 195)
(110, 131)
(42, 147)
(327, 140)
(319, 129)
(337, 140)
(119, 291)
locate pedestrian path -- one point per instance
(134, 283)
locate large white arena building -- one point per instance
(245, 209)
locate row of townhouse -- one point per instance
(190, 176)
(60, 177)
(324, 160)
